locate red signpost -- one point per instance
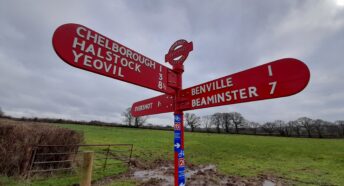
(156, 105)
(84, 48)
(178, 53)
(276, 79)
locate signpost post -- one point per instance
(176, 57)
(86, 49)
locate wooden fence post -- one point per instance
(86, 170)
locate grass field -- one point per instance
(303, 161)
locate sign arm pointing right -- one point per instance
(279, 78)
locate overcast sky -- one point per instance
(228, 36)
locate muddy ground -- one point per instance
(160, 173)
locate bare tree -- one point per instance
(1, 113)
(237, 119)
(226, 121)
(253, 125)
(289, 127)
(206, 122)
(296, 127)
(340, 125)
(139, 121)
(269, 127)
(128, 118)
(216, 121)
(192, 120)
(280, 125)
(307, 123)
(332, 129)
(319, 126)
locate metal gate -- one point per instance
(51, 159)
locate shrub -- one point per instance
(17, 139)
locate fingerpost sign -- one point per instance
(86, 49)
(157, 105)
(276, 79)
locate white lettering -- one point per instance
(137, 68)
(98, 64)
(119, 71)
(101, 41)
(107, 67)
(130, 65)
(252, 92)
(129, 53)
(76, 56)
(225, 97)
(115, 47)
(135, 57)
(116, 58)
(99, 53)
(234, 94)
(108, 50)
(90, 36)
(90, 49)
(273, 87)
(87, 61)
(211, 86)
(144, 107)
(242, 93)
(107, 44)
(108, 56)
(229, 82)
(122, 51)
(78, 31)
(81, 45)
(270, 70)
(124, 62)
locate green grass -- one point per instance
(305, 161)
(315, 161)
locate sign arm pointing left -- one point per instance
(156, 105)
(86, 49)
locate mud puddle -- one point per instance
(161, 174)
(268, 183)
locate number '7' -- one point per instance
(273, 86)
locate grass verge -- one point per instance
(304, 161)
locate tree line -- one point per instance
(235, 123)
(227, 123)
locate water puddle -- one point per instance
(162, 174)
(268, 183)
